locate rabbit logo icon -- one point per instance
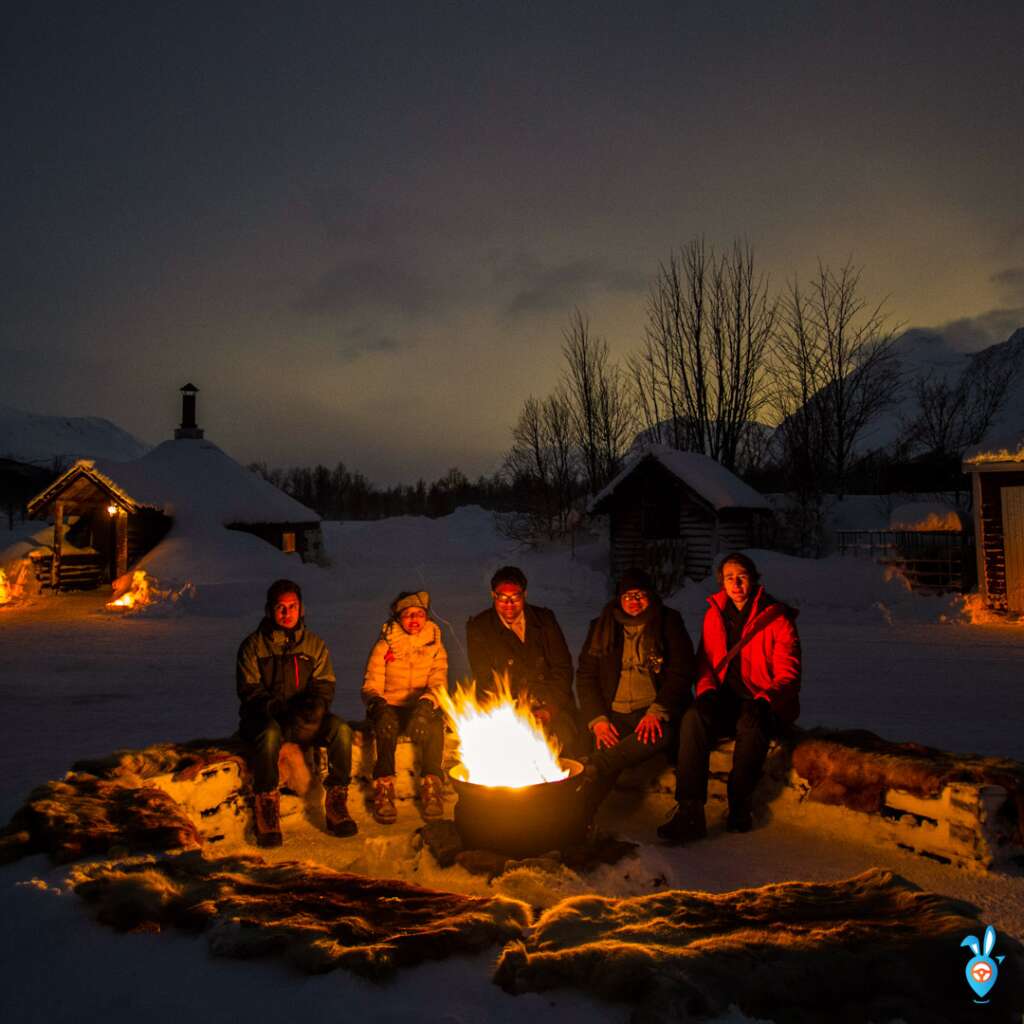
(982, 969)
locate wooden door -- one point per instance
(1013, 541)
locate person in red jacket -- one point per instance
(748, 685)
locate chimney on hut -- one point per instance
(188, 429)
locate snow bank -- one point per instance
(29, 437)
(856, 589)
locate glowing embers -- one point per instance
(137, 590)
(5, 588)
(500, 742)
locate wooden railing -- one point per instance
(937, 561)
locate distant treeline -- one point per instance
(341, 493)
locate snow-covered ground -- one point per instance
(77, 680)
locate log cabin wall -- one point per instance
(683, 542)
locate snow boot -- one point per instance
(686, 825)
(384, 809)
(431, 798)
(267, 818)
(336, 817)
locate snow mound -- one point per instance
(820, 587)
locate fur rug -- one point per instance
(871, 947)
(855, 768)
(104, 806)
(316, 918)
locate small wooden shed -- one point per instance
(997, 480)
(673, 512)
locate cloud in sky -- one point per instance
(359, 284)
(969, 334)
(539, 287)
(359, 342)
(1010, 283)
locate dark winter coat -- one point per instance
(539, 667)
(769, 660)
(283, 674)
(597, 677)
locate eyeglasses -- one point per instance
(634, 595)
(507, 598)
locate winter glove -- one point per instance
(305, 715)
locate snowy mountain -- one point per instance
(923, 353)
(40, 440)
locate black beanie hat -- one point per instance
(509, 574)
(635, 579)
(277, 590)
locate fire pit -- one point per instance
(516, 795)
(522, 821)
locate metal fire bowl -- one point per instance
(523, 822)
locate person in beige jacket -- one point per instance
(406, 670)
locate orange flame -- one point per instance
(500, 742)
(5, 589)
(136, 595)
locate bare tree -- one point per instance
(953, 414)
(699, 377)
(542, 461)
(834, 354)
(599, 402)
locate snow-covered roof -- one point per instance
(194, 479)
(1008, 447)
(720, 487)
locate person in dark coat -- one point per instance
(285, 684)
(634, 681)
(748, 685)
(525, 643)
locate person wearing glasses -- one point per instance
(748, 686)
(525, 643)
(634, 681)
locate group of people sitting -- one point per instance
(640, 690)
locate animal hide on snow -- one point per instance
(855, 768)
(872, 947)
(104, 805)
(316, 918)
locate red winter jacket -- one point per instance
(769, 658)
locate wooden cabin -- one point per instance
(107, 515)
(997, 481)
(673, 512)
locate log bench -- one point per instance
(963, 810)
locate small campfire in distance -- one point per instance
(137, 595)
(500, 742)
(5, 588)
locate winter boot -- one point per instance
(431, 798)
(336, 817)
(686, 825)
(267, 818)
(384, 809)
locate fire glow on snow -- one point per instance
(500, 741)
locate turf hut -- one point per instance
(108, 515)
(672, 512)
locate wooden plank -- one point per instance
(1013, 539)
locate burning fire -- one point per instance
(5, 589)
(137, 593)
(500, 741)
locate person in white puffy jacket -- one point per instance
(406, 670)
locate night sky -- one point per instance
(360, 229)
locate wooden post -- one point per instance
(58, 544)
(121, 527)
(979, 535)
